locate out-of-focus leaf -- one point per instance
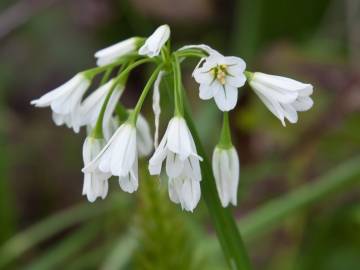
(69, 246)
(48, 227)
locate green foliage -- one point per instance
(164, 242)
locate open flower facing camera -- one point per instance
(117, 136)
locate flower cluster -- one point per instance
(117, 137)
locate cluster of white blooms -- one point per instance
(117, 137)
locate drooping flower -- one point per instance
(184, 189)
(156, 41)
(219, 78)
(114, 52)
(226, 169)
(95, 183)
(119, 157)
(284, 97)
(182, 163)
(90, 108)
(65, 101)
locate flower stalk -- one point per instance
(223, 221)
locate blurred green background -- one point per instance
(298, 204)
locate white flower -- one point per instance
(219, 77)
(154, 43)
(112, 53)
(119, 157)
(90, 108)
(144, 140)
(182, 163)
(156, 106)
(185, 190)
(225, 165)
(95, 183)
(282, 96)
(65, 101)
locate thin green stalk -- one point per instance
(223, 221)
(225, 137)
(23, 241)
(144, 93)
(179, 106)
(106, 76)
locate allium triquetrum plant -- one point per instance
(118, 136)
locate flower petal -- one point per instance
(226, 98)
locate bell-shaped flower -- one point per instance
(95, 183)
(112, 53)
(284, 97)
(182, 162)
(185, 189)
(226, 169)
(119, 157)
(65, 101)
(219, 78)
(90, 108)
(156, 41)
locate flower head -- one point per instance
(114, 52)
(219, 77)
(284, 97)
(65, 101)
(182, 163)
(225, 164)
(156, 41)
(95, 183)
(119, 157)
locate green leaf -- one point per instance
(69, 246)
(23, 241)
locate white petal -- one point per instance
(278, 94)
(158, 157)
(124, 152)
(207, 91)
(280, 82)
(174, 188)
(273, 106)
(156, 106)
(190, 194)
(154, 43)
(202, 75)
(114, 52)
(129, 183)
(144, 140)
(174, 165)
(178, 140)
(303, 103)
(290, 113)
(226, 98)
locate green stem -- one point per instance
(224, 223)
(122, 112)
(179, 106)
(106, 76)
(134, 115)
(191, 53)
(225, 137)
